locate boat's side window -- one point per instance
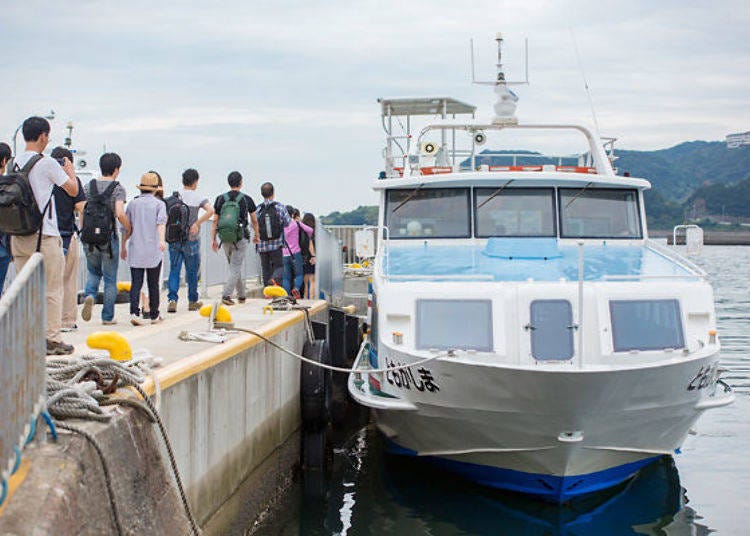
(646, 325)
(599, 213)
(551, 326)
(428, 213)
(437, 321)
(514, 212)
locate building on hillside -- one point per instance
(738, 140)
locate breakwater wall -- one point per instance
(232, 413)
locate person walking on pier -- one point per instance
(231, 226)
(67, 207)
(105, 200)
(308, 258)
(43, 174)
(5, 256)
(293, 262)
(272, 219)
(188, 250)
(143, 246)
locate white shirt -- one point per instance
(194, 201)
(42, 177)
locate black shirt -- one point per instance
(64, 205)
(247, 205)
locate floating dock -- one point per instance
(232, 414)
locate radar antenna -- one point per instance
(505, 106)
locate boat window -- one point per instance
(428, 213)
(514, 212)
(646, 324)
(551, 328)
(599, 213)
(454, 324)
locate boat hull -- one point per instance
(551, 433)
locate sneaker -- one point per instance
(295, 294)
(172, 307)
(59, 348)
(227, 300)
(242, 299)
(109, 322)
(68, 329)
(195, 305)
(88, 305)
(136, 320)
(158, 320)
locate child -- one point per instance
(148, 217)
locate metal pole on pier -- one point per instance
(580, 303)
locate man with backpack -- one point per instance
(67, 207)
(33, 225)
(272, 218)
(189, 249)
(105, 201)
(5, 256)
(231, 226)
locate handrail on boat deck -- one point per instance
(668, 253)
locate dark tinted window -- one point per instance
(599, 213)
(514, 212)
(428, 213)
(646, 324)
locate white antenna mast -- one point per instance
(505, 107)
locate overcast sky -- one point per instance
(286, 91)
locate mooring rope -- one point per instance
(78, 387)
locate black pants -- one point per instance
(136, 283)
(272, 266)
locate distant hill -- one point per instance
(696, 178)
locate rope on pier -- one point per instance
(78, 387)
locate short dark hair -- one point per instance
(109, 163)
(234, 179)
(61, 152)
(290, 210)
(5, 153)
(189, 177)
(34, 127)
(266, 190)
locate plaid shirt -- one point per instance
(272, 245)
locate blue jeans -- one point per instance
(292, 267)
(101, 265)
(190, 253)
(4, 263)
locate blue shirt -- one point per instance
(272, 245)
(145, 213)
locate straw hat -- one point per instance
(149, 183)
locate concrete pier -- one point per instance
(233, 417)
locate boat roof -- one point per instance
(424, 106)
(520, 179)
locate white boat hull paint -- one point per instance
(560, 422)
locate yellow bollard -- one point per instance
(123, 286)
(115, 343)
(274, 292)
(222, 315)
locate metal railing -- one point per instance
(22, 359)
(214, 267)
(346, 235)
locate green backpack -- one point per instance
(230, 229)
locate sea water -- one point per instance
(705, 489)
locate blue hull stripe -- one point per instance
(548, 487)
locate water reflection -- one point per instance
(371, 492)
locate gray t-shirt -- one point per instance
(145, 213)
(118, 194)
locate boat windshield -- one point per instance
(428, 213)
(599, 213)
(514, 212)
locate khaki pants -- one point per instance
(70, 284)
(54, 264)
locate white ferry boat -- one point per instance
(557, 349)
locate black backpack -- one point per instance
(98, 218)
(270, 225)
(178, 219)
(304, 243)
(19, 212)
